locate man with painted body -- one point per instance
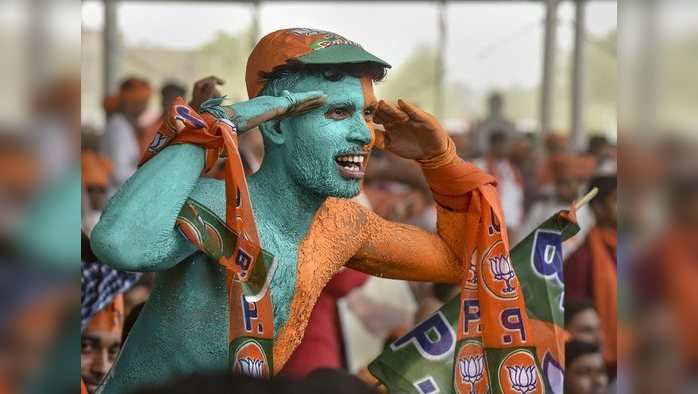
(313, 164)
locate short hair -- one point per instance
(281, 77)
(597, 142)
(133, 82)
(572, 308)
(606, 184)
(575, 349)
(173, 89)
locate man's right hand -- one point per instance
(251, 113)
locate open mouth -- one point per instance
(351, 165)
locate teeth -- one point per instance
(351, 159)
(351, 163)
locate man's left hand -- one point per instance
(410, 132)
(205, 89)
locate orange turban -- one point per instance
(95, 169)
(110, 319)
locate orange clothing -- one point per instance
(110, 319)
(605, 285)
(667, 274)
(96, 169)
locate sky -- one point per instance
(489, 45)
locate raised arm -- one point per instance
(405, 252)
(137, 229)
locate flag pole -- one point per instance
(587, 197)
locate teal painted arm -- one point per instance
(137, 229)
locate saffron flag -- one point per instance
(434, 357)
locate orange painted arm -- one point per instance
(400, 251)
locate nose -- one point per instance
(101, 364)
(359, 134)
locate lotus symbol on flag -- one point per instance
(523, 379)
(502, 270)
(471, 369)
(251, 367)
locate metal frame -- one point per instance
(111, 49)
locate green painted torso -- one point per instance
(183, 327)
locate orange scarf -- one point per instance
(605, 286)
(219, 136)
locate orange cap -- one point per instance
(110, 319)
(307, 46)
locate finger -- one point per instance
(219, 81)
(379, 117)
(308, 105)
(302, 102)
(208, 81)
(413, 112)
(307, 96)
(390, 113)
(214, 80)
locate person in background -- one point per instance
(509, 181)
(590, 272)
(582, 321)
(100, 342)
(121, 135)
(169, 92)
(96, 178)
(665, 274)
(601, 150)
(567, 181)
(584, 369)
(523, 157)
(495, 121)
(556, 145)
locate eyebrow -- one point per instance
(342, 103)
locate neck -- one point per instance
(280, 202)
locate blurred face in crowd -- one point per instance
(566, 189)
(133, 110)
(98, 197)
(499, 148)
(586, 375)
(606, 211)
(98, 350)
(585, 326)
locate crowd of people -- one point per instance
(538, 174)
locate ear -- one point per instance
(272, 131)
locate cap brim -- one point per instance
(339, 54)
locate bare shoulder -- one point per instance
(341, 222)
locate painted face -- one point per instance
(326, 149)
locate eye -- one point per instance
(338, 113)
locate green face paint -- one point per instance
(183, 327)
(314, 141)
